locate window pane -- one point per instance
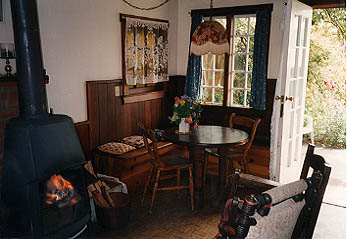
(240, 62)
(238, 97)
(220, 61)
(208, 76)
(251, 44)
(222, 21)
(218, 96)
(207, 61)
(250, 62)
(240, 44)
(239, 80)
(219, 79)
(249, 80)
(241, 25)
(207, 94)
(252, 21)
(248, 98)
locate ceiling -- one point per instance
(325, 3)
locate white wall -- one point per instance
(81, 42)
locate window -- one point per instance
(237, 73)
(212, 82)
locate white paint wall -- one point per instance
(81, 41)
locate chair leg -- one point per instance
(312, 137)
(205, 168)
(235, 181)
(178, 177)
(191, 188)
(148, 180)
(245, 164)
(155, 189)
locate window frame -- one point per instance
(229, 13)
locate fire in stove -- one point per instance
(60, 192)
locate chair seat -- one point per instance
(175, 158)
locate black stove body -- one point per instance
(44, 186)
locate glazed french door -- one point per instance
(293, 78)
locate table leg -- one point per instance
(222, 171)
(197, 157)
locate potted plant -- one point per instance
(185, 113)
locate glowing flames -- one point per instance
(60, 192)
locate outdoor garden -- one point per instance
(326, 84)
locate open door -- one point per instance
(293, 78)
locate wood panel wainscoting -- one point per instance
(112, 117)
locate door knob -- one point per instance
(290, 98)
(281, 98)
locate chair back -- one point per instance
(246, 124)
(287, 211)
(152, 149)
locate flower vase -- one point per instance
(183, 127)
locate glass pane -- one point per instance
(218, 95)
(209, 78)
(241, 25)
(238, 97)
(240, 45)
(207, 61)
(248, 97)
(251, 44)
(207, 95)
(219, 79)
(240, 62)
(239, 80)
(249, 81)
(222, 21)
(252, 21)
(250, 62)
(220, 61)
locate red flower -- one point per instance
(196, 126)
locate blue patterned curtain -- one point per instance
(193, 78)
(259, 73)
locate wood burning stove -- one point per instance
(44, 186)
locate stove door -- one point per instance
(64, 201)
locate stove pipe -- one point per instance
(30, 74)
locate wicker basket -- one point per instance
(118, 216)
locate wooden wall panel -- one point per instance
(111, 120)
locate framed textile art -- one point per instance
(145, 50)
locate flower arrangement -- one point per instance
(184, 107)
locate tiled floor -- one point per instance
(332, 217)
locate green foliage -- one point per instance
(326, 84)
(334, 16)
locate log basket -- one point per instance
(118, 216)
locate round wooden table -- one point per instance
(206, 136)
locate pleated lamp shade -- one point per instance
(209, 36)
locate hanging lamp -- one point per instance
(209, 36)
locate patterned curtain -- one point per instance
(146, 51)
(261, 40)
(193, 78)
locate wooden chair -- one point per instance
(287, 211)
(236, 153)
(171, 161)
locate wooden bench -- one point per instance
(131, 167)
